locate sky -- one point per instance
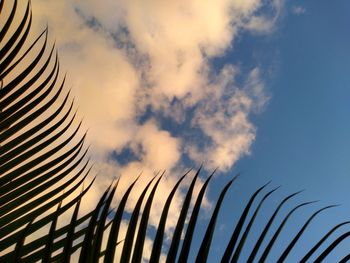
(253, 87)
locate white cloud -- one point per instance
(223, 117)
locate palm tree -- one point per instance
(43, 166)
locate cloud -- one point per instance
(223, 118)
(137, 65)
(298, 10)
(124, 57)
(263, 23)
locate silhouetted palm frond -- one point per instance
(43, 166)
(42, 162)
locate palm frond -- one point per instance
(38, 159)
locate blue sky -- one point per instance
(303, 134)
(255, 87)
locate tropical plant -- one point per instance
(43, 165)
